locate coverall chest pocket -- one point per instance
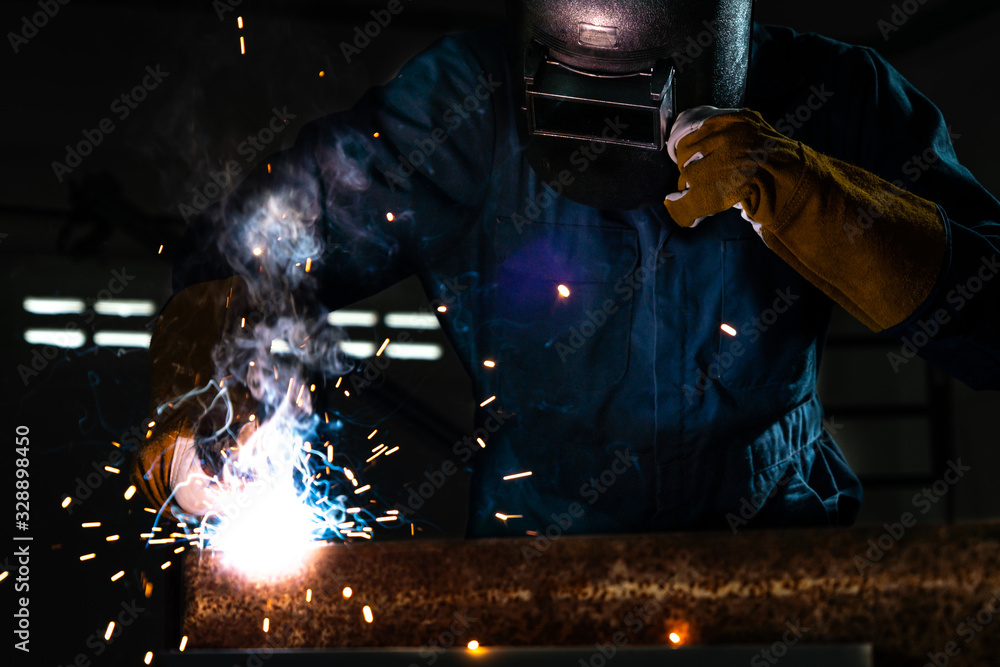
(561, 323)
(775, 314)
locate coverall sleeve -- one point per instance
(384, 186)
(393, 181)
(905, 139)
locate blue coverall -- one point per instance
(631, 406)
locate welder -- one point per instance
(652, 207)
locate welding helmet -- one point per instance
(600, 82)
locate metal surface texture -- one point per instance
(585, 656)
(907, 590)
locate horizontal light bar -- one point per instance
(411, 321)
(125, 307)
(422, 351)
(353, 318)
(55, 337)
(358, 349)
(44, 305)
(122, 338)
(279, 346)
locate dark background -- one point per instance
(113, 212)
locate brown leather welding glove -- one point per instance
(872, 247)
(180, 350)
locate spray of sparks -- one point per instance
(274, 481)
(276, 496)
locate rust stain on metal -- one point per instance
(723, 589)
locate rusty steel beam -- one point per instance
(909, 592)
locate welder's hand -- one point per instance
(193, 486)
(179, 470)
(199, 476)
(806, 207)
(730, 158)
(180, 352)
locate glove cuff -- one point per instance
(874, 248)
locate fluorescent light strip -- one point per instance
(41, 305)
(55, 337)
(411, 321)
(353, 318)
(122, 338)
(358, 349)
(125, 307)
(421, 351)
